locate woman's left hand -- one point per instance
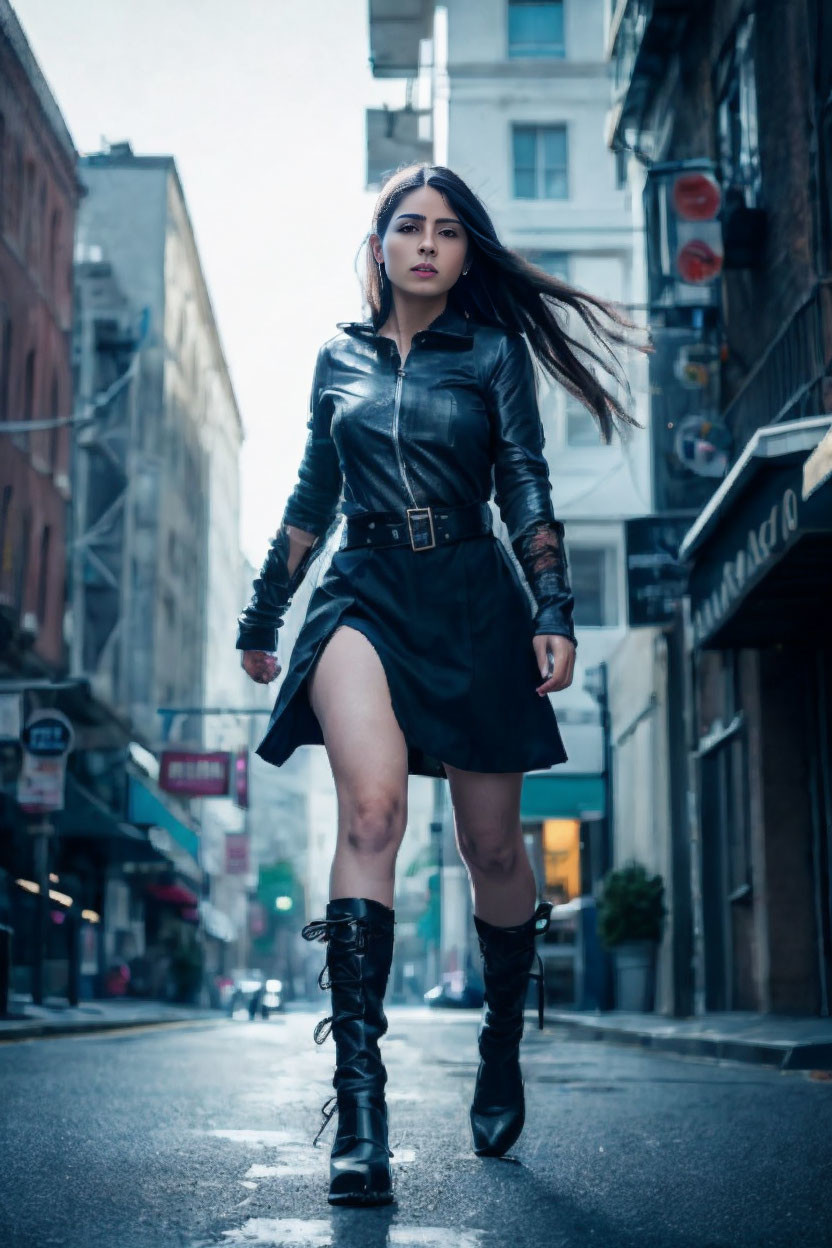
(563, 665)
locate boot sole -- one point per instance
(362, 1198)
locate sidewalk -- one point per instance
(56, 1018)
(789, 1043)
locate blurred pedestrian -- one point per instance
(420, 653)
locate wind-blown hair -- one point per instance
(504, 289)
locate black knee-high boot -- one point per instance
(498, 1111)
(359, 936)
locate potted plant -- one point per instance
(631, 913)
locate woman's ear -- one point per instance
(375, 247)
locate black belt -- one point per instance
(421, 528)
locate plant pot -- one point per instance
(635, 976)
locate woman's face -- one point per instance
(423, 231)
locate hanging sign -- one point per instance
(195, 774)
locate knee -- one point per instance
(374, 824)
(489, 851)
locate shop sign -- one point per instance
(40, 785)
(756, 539)
(195, 774)
(241, 779)
(817, 470)
(236, 853)
(655, 578)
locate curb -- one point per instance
(808, 1055)
(27, 1029)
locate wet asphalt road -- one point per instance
(201, 1134)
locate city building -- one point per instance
(726, 106)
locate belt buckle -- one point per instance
(421, 511)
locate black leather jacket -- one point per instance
(459, 418)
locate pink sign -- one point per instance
(193, 774)
(236, 853)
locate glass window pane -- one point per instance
(588, 570)
(524, 185)
(554, 184)
(524, 146)
(554, 147)
(524, 154)
(535, 28)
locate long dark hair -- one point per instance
(506, 290)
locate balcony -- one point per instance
(396, 27)
(789, 382)
(643, 36)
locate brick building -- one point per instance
(728, 102)
(39, 195)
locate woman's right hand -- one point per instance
(261, 665)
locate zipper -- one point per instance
(400, 375)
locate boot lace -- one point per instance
(322, 929)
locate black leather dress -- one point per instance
(452, 625)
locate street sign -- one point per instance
(47, 734)
(40, 786)
(655, 578)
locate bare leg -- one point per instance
(368, 754)
(487, 825)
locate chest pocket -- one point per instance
(428, 413)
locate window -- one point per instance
(581, 426)
(43, 573)
(554, 262)
(2, 171)
(54, 249)
(535, 28)
(28, 412)
(540, 162)
(6, 366)
(594, 579)
(737, 137)
(55, 431)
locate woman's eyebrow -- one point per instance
(417, 216)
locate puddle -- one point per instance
(318, 1233)
(296, 1162)
(258, 1139)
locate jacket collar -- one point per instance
(451, 328)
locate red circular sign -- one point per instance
(697, 262)
(696, 197)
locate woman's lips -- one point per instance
(425, 272)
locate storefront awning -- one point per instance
(146, 808)
(562, 797)
(85, 816)
(759, 553)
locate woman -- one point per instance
(420, 653)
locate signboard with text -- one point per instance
(743, 556)
(190, 773)
(655, 578)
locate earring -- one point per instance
(465, 271)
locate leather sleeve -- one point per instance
(313, 502)
(313, 506)
(522, 488)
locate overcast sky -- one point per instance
(261, 102)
